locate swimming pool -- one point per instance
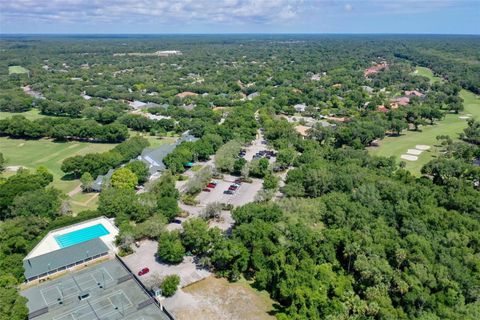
(82, 235)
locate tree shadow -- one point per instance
(68, 177)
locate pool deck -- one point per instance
(49, 244)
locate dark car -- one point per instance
(232, 187)
(206, 190)
(143, 271)
(228, 192)
(238, 181)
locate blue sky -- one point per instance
(240, 16)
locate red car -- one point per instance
(211, 185)
(143, 271)
(232, 187)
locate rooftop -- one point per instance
(54, 260)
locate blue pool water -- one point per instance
(82, 235)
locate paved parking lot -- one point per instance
(243, 195)
(144, 256)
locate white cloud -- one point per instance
(348, 7)
(258, 11)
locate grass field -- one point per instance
(30, 115)
(44, 152)
(17, 70)
(426, 72)
(451, 125)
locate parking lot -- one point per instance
(144, 256)
(244, 194)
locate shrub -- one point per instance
(169, 285)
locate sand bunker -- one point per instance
(422, 147)
(409, 157)
(13, 168)
(464, 117)
(414, 152)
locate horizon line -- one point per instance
(237, 33)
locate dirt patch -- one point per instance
(216, 298)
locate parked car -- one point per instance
(206, 190)
(228, 192)
(211, 185)
(177, 221)
(238, 181)
(213, 182)
(232, 187)
(143, 271)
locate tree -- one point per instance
(259, 168)
(169, 285)
(212, 210)
(121, 204)
(123, 178)
(2, 163)
(41, 202)
(195, 236)
(201, 178)
(285, 157)
(170, 248)
(239, 165)
(140, 169)
(270, 182)
(168, 207)
(226, 156)
(87, 182)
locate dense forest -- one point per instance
(353, 236)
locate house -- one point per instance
(101, 180)
(188, 107)
(153, 158)
(414, 93)
(300, 107)
(375, 69)
(367, 89)
(136, 104)
(400, 101)
(302, 130)
(382, 108)
(252, 95)
(337, 119)
(185, 94)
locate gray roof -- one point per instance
(97, 184)
(63, 257)
(153, 158)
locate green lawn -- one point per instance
(17, 70)
(30, 115)
(451, 125)
(44, 152)
(427, 73)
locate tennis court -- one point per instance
(115, 305)
(74, 286)
(106, 291)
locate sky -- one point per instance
(239, 16)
